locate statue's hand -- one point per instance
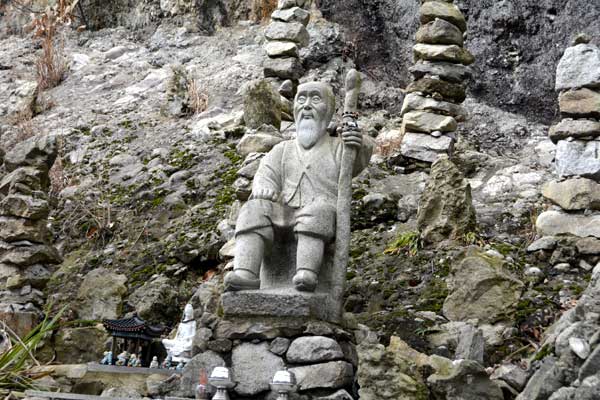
(352, 137)
(265, 194)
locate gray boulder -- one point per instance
(293, 14)
(417, 102)
(432, 10)
(39, 152)
(481, 288)
(15, 229)
(425, 147)
(76, 345)
(390, 373)
(283, 68)
(261, 105)
(427, 122)
(554, 223)
(253, 368)
(456, 73)
(580, 103)
(589, 389)
(260, 141)
(464, 380)
(25, 253)
(156, 300)
(439, 31)
(292, 31)
(25, 207)
(579, 67)
(575, 128)
(443, 52)
(446, 207)
(330, 375)
(281, 49)
(578, 158)
(100, 294)
(546, 380)
(512, 374)
(191, 372)
(279, 346)
(574, 194)
(314, 349)
(471, 344)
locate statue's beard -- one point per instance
(309, 132)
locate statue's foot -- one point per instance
(241, 279)
(305, 280)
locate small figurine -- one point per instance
(201, 392)
(107, 359)
(167, 363)
(180, 347)
(154, 362)
(133, 361)
(122, 359)
(180, 366)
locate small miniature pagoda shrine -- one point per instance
(133, 335)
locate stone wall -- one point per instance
(322, 356)
(26, 253)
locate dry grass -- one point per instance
(25, 128)
(51, 66)
(262, 9)
(58, 179)
(387, 146)
(198, 99)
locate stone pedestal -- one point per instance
(283, 302)
(321, 355)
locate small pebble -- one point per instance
(580, 347)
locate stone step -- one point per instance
(93, 367)
(68, 396)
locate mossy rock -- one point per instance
(481, 287)
(262, 105)
(446, 207)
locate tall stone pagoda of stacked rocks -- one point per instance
(286, 35)
(576, 191)
(431, 109)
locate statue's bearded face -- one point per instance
(313, 110)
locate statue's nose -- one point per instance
(307, 106)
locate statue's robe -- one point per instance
(306, 184)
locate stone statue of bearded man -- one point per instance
(296, 187)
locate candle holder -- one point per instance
(221, 378)
(284, 382)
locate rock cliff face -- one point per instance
(151, 189)
(517, 44)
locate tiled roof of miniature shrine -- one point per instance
(135, 324)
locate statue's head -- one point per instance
(314, 106)
(188, 312)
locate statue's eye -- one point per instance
(316, 99)
(301, 99)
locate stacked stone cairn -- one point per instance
(286, 35)
(322, 356)
(26, 253)
(431, 108)
(576, 193)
